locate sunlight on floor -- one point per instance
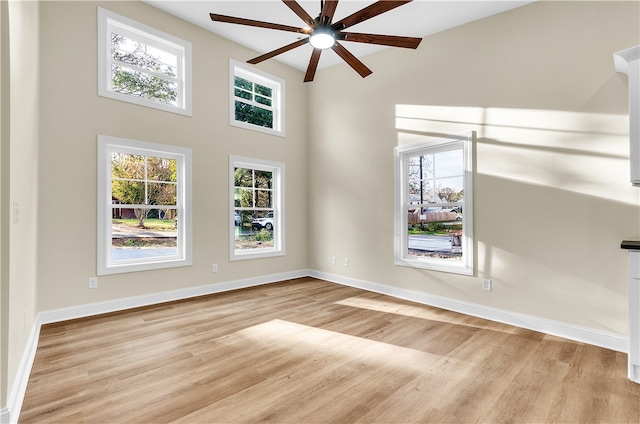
(421, 312)
(284, 337)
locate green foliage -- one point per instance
(135, 81)
(263, 235)
(250, 113)
(253, 115)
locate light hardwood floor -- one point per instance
(309, 351)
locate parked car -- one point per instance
(237, 218)
(266, 222)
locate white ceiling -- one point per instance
(419, 18)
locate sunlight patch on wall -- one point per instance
(585, 153)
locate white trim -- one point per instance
(5, 416)
(82, 311)
(108, 144)
(278, 170)
(401, 171)
(278, 98)
(19, 388)
(108, 19)
(590, 336)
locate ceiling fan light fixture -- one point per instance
(322, 38)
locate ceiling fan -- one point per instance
(323, 33)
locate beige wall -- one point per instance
(552, 194)
(72, 115)
(537, 83)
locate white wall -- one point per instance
(552, 194)
(20, 126)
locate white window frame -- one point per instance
(278, 172)
(402, 204)
(278, 89)
(183, 257)
(108, 21)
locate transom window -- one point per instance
(256, 198)
(141, 65)
(256, 100)
(144, 214)
(434, 205)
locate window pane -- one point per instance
(128, 192)
(243, 177)
(243, 83)
(136, 53)
(263, 100)
(263, 179)
(124, 165)
(243, 198)
(143, 85)
(448, 163)
(256, 231)
(243, 94)
(263, 91)
(264, 199)
(435, 233)
(156, 237)
(161, 194)
(161, 169)
(253, 115)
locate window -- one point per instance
(256, 100)
(144, 206)
(142, 65)
(434, 211)
(256, 197)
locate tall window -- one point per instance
(256, 100)
(142, 65)
(144, 206)
(434, 211)
(256, 198)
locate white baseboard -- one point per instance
(5, 416)
(590, 336)
(16, 395)
(64, 314)
(581, 334)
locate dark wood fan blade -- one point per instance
(298, 10)
(368, 12)
(281, 50)
(328, 9)
(353, 61)
(313, 65)
(385, 40)
(251, 22)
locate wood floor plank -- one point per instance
(309, 351)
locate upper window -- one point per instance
(434, 213)
(256, 198)
(142, 65)
(144, 206)
(256, 100)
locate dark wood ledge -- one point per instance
(630, 244)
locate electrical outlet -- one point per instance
(93, 283)
(333, 260)
(486, 285)
(346, 261)
(214, 268)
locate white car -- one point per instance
(266, 222)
